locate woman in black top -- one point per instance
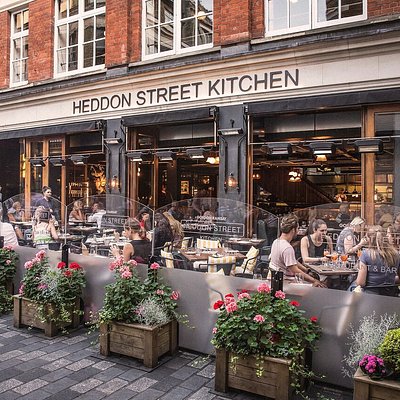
(313, 246)
(162, 233)
(139, 248)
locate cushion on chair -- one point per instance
(250, 261)
(207, 244)
(214, 261)
(168, 259)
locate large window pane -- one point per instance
(351, 8)
(151, 12)
(277, 15)
(188, 8)
(24, 70)
(151, 41)
(15, 71)
(166, 38)
(166, 11)
(299, 13)
(100, 26)
(88, 55)
(24, 47)
(187, 33)
(328, 10)
(62, 36)
(89, 5)
(100, 52)
(204, 31)
(88, 29)
(17, 22)
(73, 7)
(73, 58)
(205, 5)
(73, 34)
(25, 20)
(62, 8)
(62, 60)
(100, 3)
(17, 49)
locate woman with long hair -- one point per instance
(76, 214)
(379, 263)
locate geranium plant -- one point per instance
(262, 324)
(373, 366)
(8, 265)
(58, 287)
(129, 300)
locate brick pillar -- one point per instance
(257, 19)
(377, 8)
(4, 49)
(232, 21)
(41, 40)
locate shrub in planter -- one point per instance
(8, 264)
(390, 350)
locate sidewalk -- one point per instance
(69, 367)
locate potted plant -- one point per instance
(260, 340)
(8, 264)
(374, 358)
(138, 319)
(49, 298)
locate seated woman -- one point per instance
(16, 213)
(76, 215)
(347, 242)
(313, 245)
(176, 228)
(379, 263)
(44, 230)
(162, 233)
(139, 248)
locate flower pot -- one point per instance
(366, 388)
(241, 374)
(26, 314)
(144, 342)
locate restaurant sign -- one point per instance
(188, 91)
(213, 226)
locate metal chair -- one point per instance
(215, 264)
(169, 260)
(384, 290)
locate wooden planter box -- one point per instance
(274, 383)
(366, 388)
(25, 314)
(144, 342)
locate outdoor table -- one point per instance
(245, 242)
(70, 238)
(342, 273)
(192, 256)
(83, 230)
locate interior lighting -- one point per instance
(369, 146)
(322, 148)
(37, 162)
(279, 149)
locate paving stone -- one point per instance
(167, 384)
(36, 395)
(60, 363)
(184, 372)
(55, 355)
(30, 375)
(200, 362)
(95, 395)
(149, 394)
(31, 355)
(142, 384)
(177, 394)
(60, 385)
(159, 373)
(76, 366)
(58, 374)
(194, 382)
(30, 386)
(9, 373)
(30, 340)
(9, 384)
(202, 394)
(207, 372)
(10, 395)
(103, 365)
(67, 394)
(86, 385)
(109, 373)
(112, 386)
(176, 363)
(85, 373)
(10, 364)
(132, 374)
(28, 365)
(10, 354)
(75, 339)
(122, 394)
(9, 334)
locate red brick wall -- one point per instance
(4, 49)
(41, 34)
(257, 19)
(136, 32)
(231, 21)
(377, 8)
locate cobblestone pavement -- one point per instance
(35, 367)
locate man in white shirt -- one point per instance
(282, 256)
(98, 212)
(7, 231)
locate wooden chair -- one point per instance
(207, 244)
(187, 242)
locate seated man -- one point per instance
(7, 232)
(98, 212)
(282, 256)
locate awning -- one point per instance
(87, 126)
(325, 101)
(187, 115)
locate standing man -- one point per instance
(282, 256)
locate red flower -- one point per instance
(74, 265)
(229, 295)
(61, 265)
(68, 273)
(244, 291)
(314, 319)
(295, 303)
(218, 304)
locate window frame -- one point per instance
(177, 37)
(313, 22)
(80, 17)
(18, 36)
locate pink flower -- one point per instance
(126, 274)
(133, 263)
(243, 295)
(231, 307)
(214, 331)
(294, 303)
(21, 289)
(8, 262)
(259, 318)
(7, 248)
(229, 300)
(28, 265)
(40, 255)
(42, 286)
(175, 295)
(279, 294)
(155, 266)
(160, 292)
(112, 266)
(263, 288)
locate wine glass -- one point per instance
(344, 258)
(334, 259)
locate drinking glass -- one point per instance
(334, 259)
(257, 276)
(344, 258)
(298, 277)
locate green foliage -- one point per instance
(129, 300)
(264, 325)
(390, 349)
(8, 265)
(58, 287)
(6, 303)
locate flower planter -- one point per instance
(144, 342)
(366, 388)
(274, 382)
(26, 314)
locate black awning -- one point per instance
(325, 101)
(49, 130)
(187, 115)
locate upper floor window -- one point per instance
(284, 16)
(80, 35)
(174, 26)
(19, 47)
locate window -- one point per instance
(19, 47)
(80, 35)
(284, 16)
(175, 26)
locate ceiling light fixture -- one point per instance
(369, 146)
(79, 159)
(166, 155)
(37, 162)
(114, 140)
(322, 148)
(57, 161)
(279, 149)
(196, 153)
